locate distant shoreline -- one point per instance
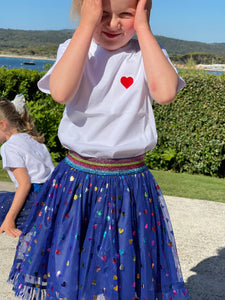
(27, 57)
(212, 67)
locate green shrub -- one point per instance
(47, 115)
(191, 130)
(14, 81)
(45, 112)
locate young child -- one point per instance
(100, 229)
(26, 160)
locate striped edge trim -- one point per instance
(106, 166)
(109, 171)
(116, 164)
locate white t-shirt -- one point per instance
(22, 151)
(111, 114)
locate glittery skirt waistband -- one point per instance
(106, 166)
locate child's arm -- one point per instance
(20, 196)
(66, 76)
(161, 76)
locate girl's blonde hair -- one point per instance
(21, 121)
(75, 9)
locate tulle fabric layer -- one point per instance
(93, 236)
(6, 199)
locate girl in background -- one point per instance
(101, 229)
(26, 160)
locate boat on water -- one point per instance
(29, 63)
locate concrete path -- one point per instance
(199, 228)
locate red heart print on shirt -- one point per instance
(126, 81)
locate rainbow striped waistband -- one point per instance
(106, 166)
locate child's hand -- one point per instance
(91, 12)
(9, 227)
(142, 14)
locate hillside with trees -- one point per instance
(29, 42)
(183, 47)
(45, 43)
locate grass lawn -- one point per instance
(179, 185)
(191, 186)
(3, 174)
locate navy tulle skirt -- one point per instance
(98, 230)
(6, 199)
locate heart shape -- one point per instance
(126, 81)
(130, 241)
(121, 230)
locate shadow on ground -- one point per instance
(209, 281)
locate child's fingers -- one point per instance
(10, 229)
(17, 232)
(141, 4)
(91, 11)
(145, 4)
(92, 4)
(13, 232)
(10, 232)
(142, 15)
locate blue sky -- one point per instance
(193, 20)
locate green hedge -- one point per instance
(45, 112)
(191, 130)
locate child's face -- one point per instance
(116, 27)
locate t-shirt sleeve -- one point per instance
(43, 83)
(11, 158)
(181, 82)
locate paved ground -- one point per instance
(199, 228)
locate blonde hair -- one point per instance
(75, 9)
(21, 121)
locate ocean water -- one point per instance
(16, 63)
(215, 72)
